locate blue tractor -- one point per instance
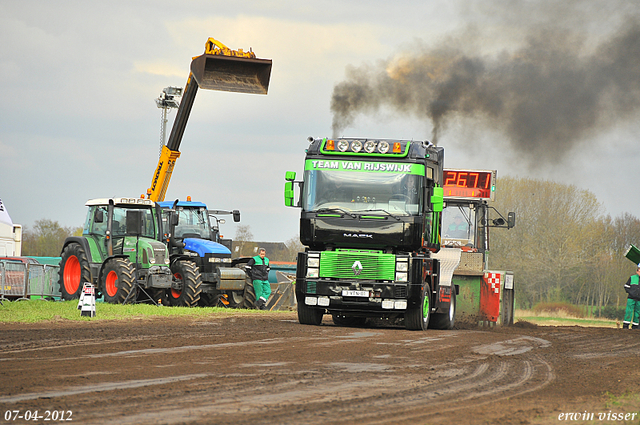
(203, 271)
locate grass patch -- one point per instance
(558, 308)
(562, 318)
(39, 311)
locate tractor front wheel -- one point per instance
(191, 284)
(74, 271)
(117, 280)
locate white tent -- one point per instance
(10, 234)
(4, 215)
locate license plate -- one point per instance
(346, 293)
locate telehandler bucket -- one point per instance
(232, 73)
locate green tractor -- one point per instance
(119, 252)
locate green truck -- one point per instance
(370, 219)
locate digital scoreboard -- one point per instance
(474, 184)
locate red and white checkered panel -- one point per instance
(493, 279)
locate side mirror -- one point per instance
(98, 217)
(437, 199)
(236, 216)
(173, 221)
(288, 194)
(511, 220)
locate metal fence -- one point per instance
(26, 281)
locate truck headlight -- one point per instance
(402, 266)
(312, 272)
(313, 262)
(401, 276)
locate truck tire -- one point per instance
(74, 271)
(188, 273)
(445, 321)
(417, 316)
(117, 280)
(349, 321)
(309, 316)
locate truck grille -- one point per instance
(365, 265)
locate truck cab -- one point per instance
(370, 218)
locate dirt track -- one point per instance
(267, 368)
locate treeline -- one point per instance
(46, 237)
(564, 247)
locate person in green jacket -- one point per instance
(632, 313)
(258, 268)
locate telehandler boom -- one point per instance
(219, 68)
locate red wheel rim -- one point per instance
(72, 275)
(174, 292)
(110, 284)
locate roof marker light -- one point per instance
(370, 146)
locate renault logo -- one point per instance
(357, 268)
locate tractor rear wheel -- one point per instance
(74, 271)
(117, 280)
(189, 275)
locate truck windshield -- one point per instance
(193, 223)
(458, 225)
(396, 194)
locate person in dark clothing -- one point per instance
(632, 312)
(258, 268)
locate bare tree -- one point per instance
(294, 246)
(244, 240)
(46, 238)
(554, 245)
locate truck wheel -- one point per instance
(309, 316)
(117, 280)
(74, 271)
(349, 321)
(445, 320)
(417, 316)
(189, 295)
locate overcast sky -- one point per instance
(78, 82)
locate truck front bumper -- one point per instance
(362, 297)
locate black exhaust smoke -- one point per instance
(546, 96)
